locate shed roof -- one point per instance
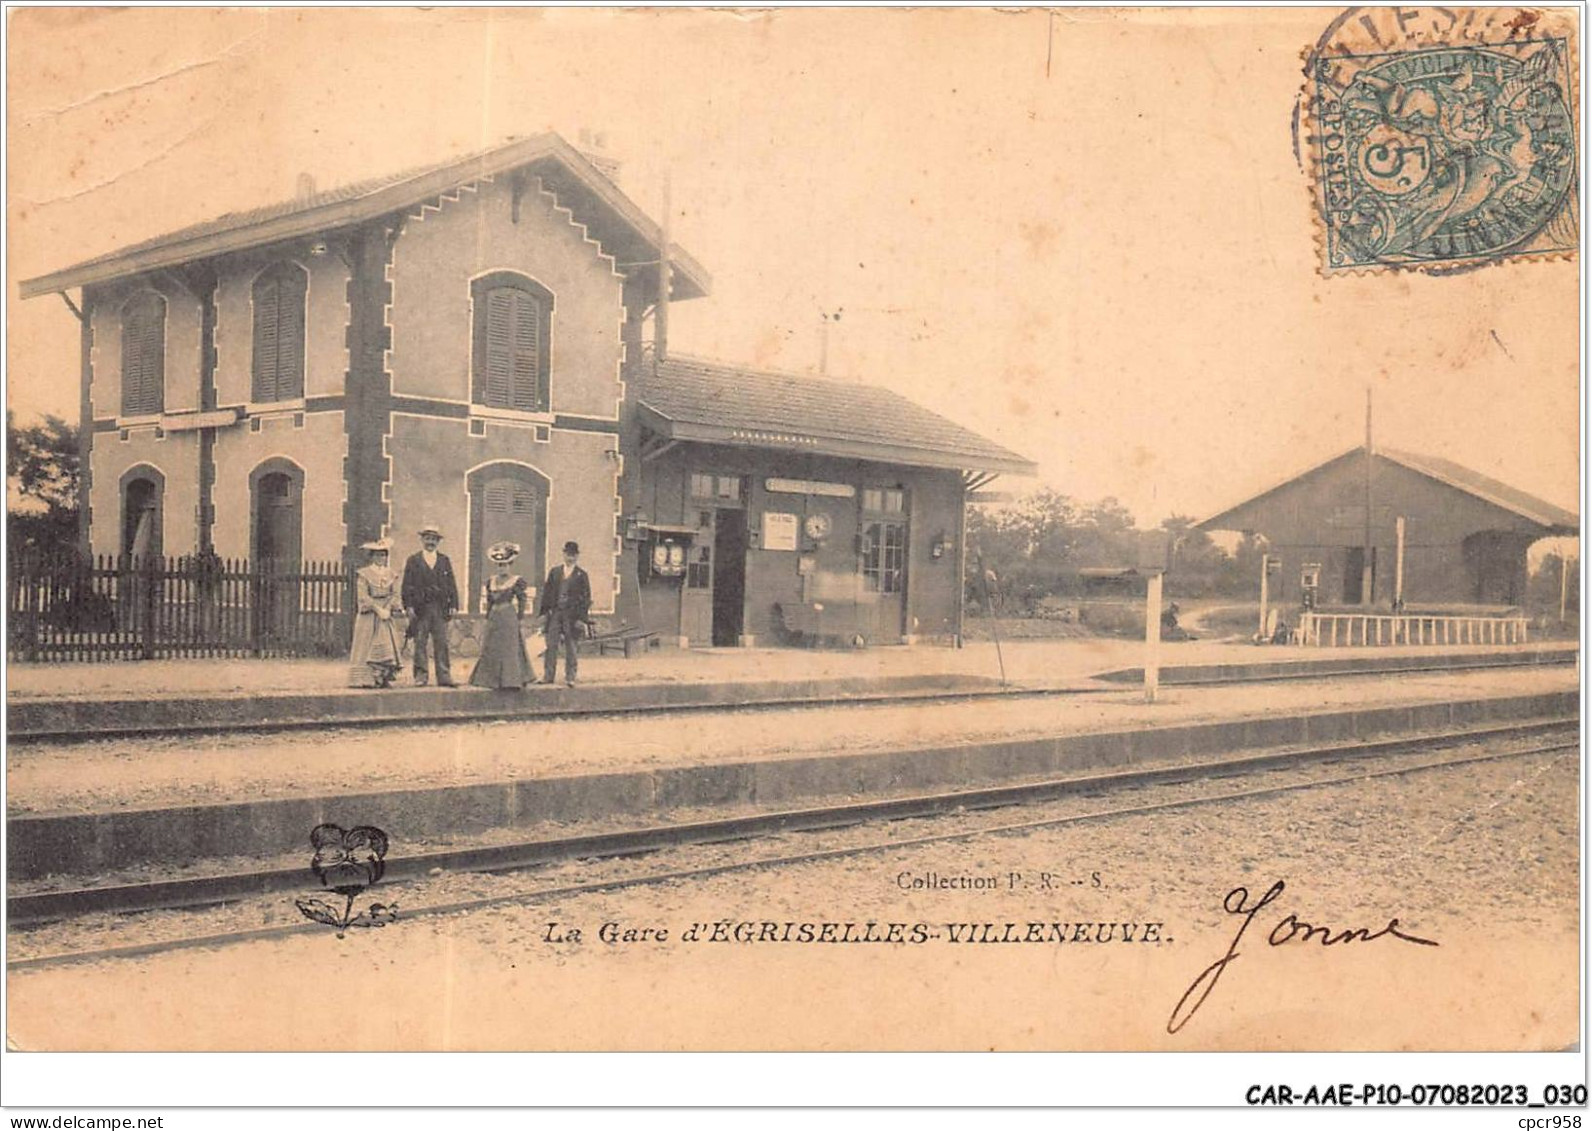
(692, 399)
(625, 231)
(1553, 519)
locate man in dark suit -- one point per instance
(565, 602)
(431, 596)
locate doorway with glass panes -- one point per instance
(882, 552)
(713, 600)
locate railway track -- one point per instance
(1103, 683)
(1559, 735)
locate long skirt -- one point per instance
(503, 662)
(375, 656)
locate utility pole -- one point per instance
(660, 327)
(1564, 582)
(1398, 564)
(1366, 574)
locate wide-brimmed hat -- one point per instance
(382, 544)
(429, 528)
(571, 547)
(503, 552)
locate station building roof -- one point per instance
(1554, 520)
(611, 217)
(708, 402)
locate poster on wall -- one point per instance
(779, 531)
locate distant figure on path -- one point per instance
(376, 655)
(431, 596)
(504, 663)
(566, 601)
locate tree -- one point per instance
(42, 479)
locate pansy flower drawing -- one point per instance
(347, 861)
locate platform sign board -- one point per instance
(1155, 552)
(779, 530)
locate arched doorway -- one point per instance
(508, 503)
(142, 490)
(276, 543)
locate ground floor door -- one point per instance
(1354, 574)
(279, 547)
(729, 577)
(884, 580)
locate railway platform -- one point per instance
(92, 808)
(87, 700)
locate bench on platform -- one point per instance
(622, 637)
(813, 622)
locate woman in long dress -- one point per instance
(504, 663)
(377, 652)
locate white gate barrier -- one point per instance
(1359, 629)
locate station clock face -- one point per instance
(817, 526)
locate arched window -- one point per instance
(512, 347)
(142, 491)
(144, 355)
(279, 293)
(508, 503)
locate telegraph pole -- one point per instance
(1365, 566)
(660, 327)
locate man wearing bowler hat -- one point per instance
(431, 596)
(566, 600)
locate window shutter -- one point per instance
(267, 304)
(279, 333)
(290, 335)
(143, 355)
(527, 335)
(510, 333)
(500, 325)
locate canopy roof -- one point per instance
(691, 399)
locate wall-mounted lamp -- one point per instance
(939, 546)
(635, 526)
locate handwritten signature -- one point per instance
(1288, 928)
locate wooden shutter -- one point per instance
(512, 318)
(144, 355)
(267, 302)
(279, 334)
(499, 369)
(527, 355)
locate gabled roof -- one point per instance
(690, 399)
(613, 218)
(1553, 519)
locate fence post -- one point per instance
(145, 567)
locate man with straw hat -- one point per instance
(431, 596)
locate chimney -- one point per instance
(305, 187)
(594, 148)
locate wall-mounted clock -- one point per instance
(817, 526)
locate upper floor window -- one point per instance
(512, 342)
(725, 487)
(279, 293)
(144, 355)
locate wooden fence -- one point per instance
(1370, 629)
(127, 608)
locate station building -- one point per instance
(463, 344)
(1465, 535)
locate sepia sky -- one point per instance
(1085, 236)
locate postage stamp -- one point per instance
(1446, 156)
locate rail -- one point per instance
(1353, 630)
